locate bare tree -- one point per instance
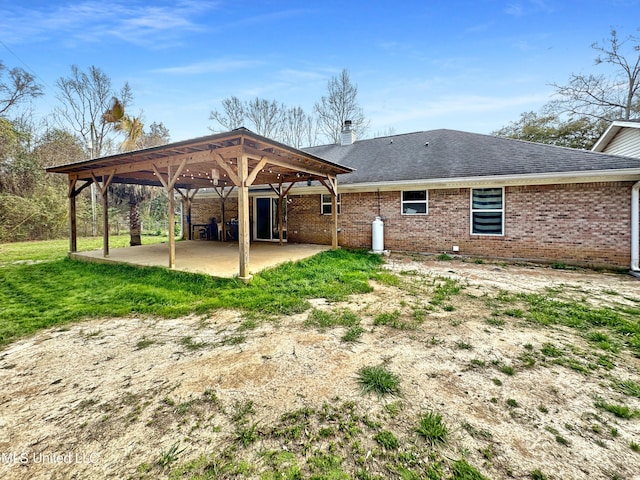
(602, 97)
(266, 116)
(339, 105)
(298, 128)
(232, 116)
(20, 86)
(84, 98)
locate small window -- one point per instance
(487, 211)
(326, 204)
(414, 202)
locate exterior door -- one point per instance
(266, 219)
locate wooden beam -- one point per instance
(137, 166)
(164, 182)
(77, 190)
(255, 171)
(243, 219)
(295, 163)
(235, 177)
(173, 178)
(288, 189)
(103, 185)
(221, 193)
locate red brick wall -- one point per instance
(576, 223)
(202, 210)
(580, 224)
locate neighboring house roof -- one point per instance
(621, 138)
(451, 154)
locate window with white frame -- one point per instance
(487, 211)
(326, 204)
(414, 202)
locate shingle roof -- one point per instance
(449, 154)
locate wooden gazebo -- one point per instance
(239, 158)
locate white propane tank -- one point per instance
(377, 241)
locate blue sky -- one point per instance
(419, 65)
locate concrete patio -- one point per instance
(218, 259)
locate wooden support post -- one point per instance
(282, 193)
(73, 225)
(105, 221)
(187, 200)
(334, 217)
(104, 190)
(186, 225)
(223, 198)
(172, 233)
(168, 184)
(243, 219)
(331, 184)
(280, 217)
(73, 229)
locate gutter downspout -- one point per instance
(635, 229)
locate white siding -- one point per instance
(626, 142)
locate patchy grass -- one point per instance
(243, 434)
(620, 411)
(628, 387)
(379, 380)
(353, 334)
(622, 324)
(323, 319)
(432, 429)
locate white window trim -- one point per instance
(493, 210)
(426, 202)
(323, 203)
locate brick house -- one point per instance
(452, 191)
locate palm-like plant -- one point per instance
(133, 195)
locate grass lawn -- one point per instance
(59, 290)
(56, 249)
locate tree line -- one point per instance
(92, 118)
(292, 125)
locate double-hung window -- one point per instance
(487, 211)
(414, 202)
(326, 204)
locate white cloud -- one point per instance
(97, 21)
(210, 66)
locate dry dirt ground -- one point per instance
(109, 398)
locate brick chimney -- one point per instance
(348, 135)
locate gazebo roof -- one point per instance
(204, 158)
